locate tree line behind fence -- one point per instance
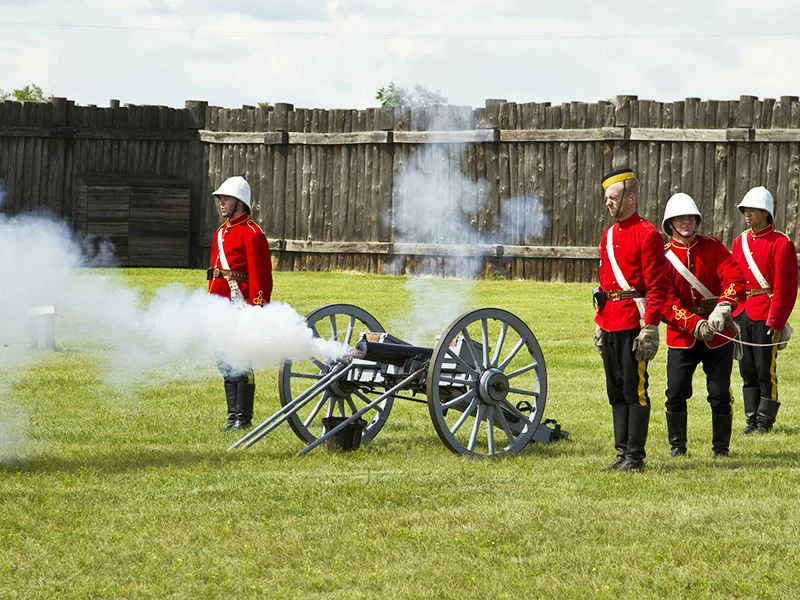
(507, 189)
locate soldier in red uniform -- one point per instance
(768, 260)
(707, 285)
(633, 288)
(241, 270)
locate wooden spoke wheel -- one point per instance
(486, 384)
(343, 323)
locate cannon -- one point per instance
(484, 383)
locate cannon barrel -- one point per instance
(391, 354)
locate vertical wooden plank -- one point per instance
(326, 174)
(339, 176)
(350, 197)
(386, 183)
(318, 224)
(374, 178)
(527, 185)
(504, 176)
(16, 153)
(292, 228)
(68, 175)
(303, 200)
(778, 174)
(277, 121)
(361, 221)
(38, 167)
(793, 192)
(26, 173)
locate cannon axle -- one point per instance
(493, 386)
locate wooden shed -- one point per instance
(145, 218)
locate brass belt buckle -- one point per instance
(614, 294)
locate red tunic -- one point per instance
(708, 260)
(776, 258)
(639, 251)
(247, 251)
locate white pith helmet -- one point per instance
(678, 205)
(758, 197)
(236, 187)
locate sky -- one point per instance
(338, 53)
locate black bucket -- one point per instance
(348, 437)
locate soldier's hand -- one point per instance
(780, 336)
(704, 331)
(719, 316)
(598, 339)
(786, 334)
(645, 345)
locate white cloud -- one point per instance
(337, 53)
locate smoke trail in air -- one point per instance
(440, 198)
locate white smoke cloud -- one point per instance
(179, 334)
(178, 324)
(436, 202)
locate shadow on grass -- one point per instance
(120, 460)
(737, 461)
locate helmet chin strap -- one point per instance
(621, 199)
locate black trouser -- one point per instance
(758, 364)
(717, 365)
(626, 378)
(233, 374)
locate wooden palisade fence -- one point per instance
(326, 183)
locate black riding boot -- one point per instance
(751, 398)
(245, 395)
(230, 397)
(620, 414)
(765, 417)
(676, 432)
(721, 426)
(638, 424)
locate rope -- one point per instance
(738, 341)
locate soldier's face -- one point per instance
(227, 206)
(755, 218)
(683, 226)
(618, 206)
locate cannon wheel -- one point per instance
(343, 323)
(486, 384)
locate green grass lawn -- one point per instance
(116, 492)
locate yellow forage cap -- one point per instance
(617, 176)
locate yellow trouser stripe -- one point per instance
(773, 377)
(642, 391)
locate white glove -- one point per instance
(703, 331)
(718, 316)
(598, 340)
(645, 345)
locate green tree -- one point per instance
(394, 95)
(29, 93)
